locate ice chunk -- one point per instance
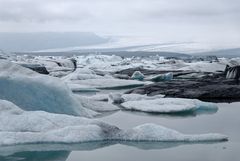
(18, 126)
(21, 127)
(72, 76)
(161, 77)
(32, 91)
(169, 105)
(137, 75)
(153, 132)
(56, 66)
(115, 98)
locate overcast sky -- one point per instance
(187, 20)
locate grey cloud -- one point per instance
(200, 19)
(110, 10)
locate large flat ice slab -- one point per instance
(168, 105)
(153, 132)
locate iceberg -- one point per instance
(161, 77)
(137, 75)
(168, 105)
(153, 132)
(18, 127)
(32, 91)
(24, 127)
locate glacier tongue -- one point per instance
(32, 91)
(20, 127)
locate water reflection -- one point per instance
(60, 152)
(175, 115)
(37, 156)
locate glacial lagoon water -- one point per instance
(226, 121)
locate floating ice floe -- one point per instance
(18, 127)
(153, 132)
(24, 127)
(73, 76)
(168, 105)
(109, 83)
(138, 97)
(32, 91)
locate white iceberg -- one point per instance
(168, 105)
(153, 132)
(32, 91)
(161, 77)
(18, 127)
(22, 127)
(138, 97)
(74, 76)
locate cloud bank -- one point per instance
(166, 19)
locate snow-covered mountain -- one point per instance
(47, 40)
(89, 43)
